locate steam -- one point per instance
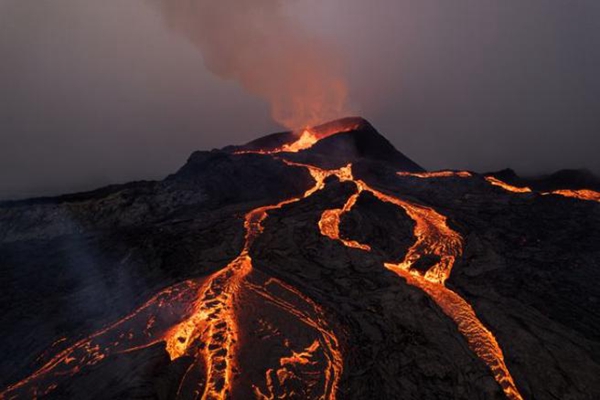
(254, 43)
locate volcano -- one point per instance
(319, 264)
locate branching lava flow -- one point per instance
(200, 318)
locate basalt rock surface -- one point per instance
(530, 268)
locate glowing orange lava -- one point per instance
(506, 186)
(202, 324)
(135, 331)
(433, 237)
(327, 343)
(307, 139)
(200, 317)
(581, 194)
(330, 223)
(437, 174)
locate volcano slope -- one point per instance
(317, 265)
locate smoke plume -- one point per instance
(268, 53)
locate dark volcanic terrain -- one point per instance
(258, 271)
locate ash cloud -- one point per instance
(256, 44)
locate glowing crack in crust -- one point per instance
(198, 317)
(580, 194)
(202, 324)
(305, 140)
(433, 237)
(506, 186)
(327, 344)
(437, 174)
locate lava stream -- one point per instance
(327, 343)
(437, 174)
(305, 140)
(200, 321)
(581, 194)
(433, 237)
(135, 331)
(506, 186)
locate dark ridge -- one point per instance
(80, 196)
(507, 175)
(226, 178)
(341, 124)
(568, 179)
(383, 226)
(269, 142)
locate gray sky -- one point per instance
(97, 92)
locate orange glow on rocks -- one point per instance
(581, 194)
(130, 333)
(329, 366)
(330, 224)
(202, 324)
(433, 237)
(506, 186)
(437, 174)
(307, 138)
(200, 318)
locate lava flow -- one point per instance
(433, 237)
(437, 174)
(239, 321)
(291, 368)
(307, 139)
(206, 325)
(198, 318)
(506, 186)
(581, 194)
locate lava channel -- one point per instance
(437, 174)
(506, 186)
(200, 318)
(580, 194)
(433, 237)
(306, 139)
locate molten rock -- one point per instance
(318, 264)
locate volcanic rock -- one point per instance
(73, 265)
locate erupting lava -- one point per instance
(197, 318)
(307, 139)
(433, 237)
(203, 318)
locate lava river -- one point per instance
(580, 194)
(204, 319)
(251, 335)
(433, 237)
